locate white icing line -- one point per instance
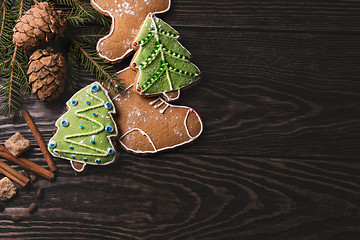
(187, 130)
(129, 87)
(109, 136)
(156, 34)
(142, 133)
(123, 91)
(169, 98)
(112, 31)
(151, 94)
(153, 102)
(159, 105)
(123, 70)
(164, 109)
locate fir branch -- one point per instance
(82, 13)
(93, 63)
(14, 79)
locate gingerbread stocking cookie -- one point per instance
(150, 125)
(127, 16)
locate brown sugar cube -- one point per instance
(17, 144)
(7, 189)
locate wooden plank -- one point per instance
(261, 94)
(277, 94)
(265, 15)
(199, 197)
(279, 155)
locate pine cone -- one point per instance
(37, 26)
(47, 74)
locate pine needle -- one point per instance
(93, 63)
(72, 72)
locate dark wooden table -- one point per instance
(279, 155)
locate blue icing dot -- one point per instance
(71, 147)
(74, 102)
(95, 88)
(111, 151)
(64, 123)
(92, 141)
(87, 102)
(95, 114)
(108, 105)
(81, 126)
(84, 159)
(108, 129)
(72, 156)
(52, 144)
(97, 160)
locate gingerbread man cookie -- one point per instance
(127, 16)
(150, 125)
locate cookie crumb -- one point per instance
(17, 144)
(40, 193)
(7, 189)
(16, 218)
(32, 208)
(33, 177)
(25, 173)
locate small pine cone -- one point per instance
(37, 26)
(47, 74)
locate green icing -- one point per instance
(164, 63)
(84, 130)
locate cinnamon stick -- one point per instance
(13, 174)
(39, 139)
(25, 163)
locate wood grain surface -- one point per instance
(279, 155)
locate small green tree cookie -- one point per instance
(84, 131)
(164, 64)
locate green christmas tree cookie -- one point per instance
(163, 63)
(84, 131)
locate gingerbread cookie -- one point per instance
(85, 130)
(163, 64)
(127, 16)
(150, 125)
